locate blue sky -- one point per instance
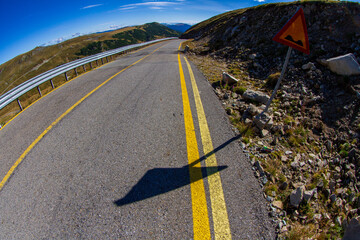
(26, 24)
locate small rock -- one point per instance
(264, 180)
(278, 204)
(352, 197)
(229, 79)
(277, 114)
(338, 220)
(352, 154)
(248, 121)
(326, 216)
(262, 120)
(333, 197)
(317, 217)
(328, 145)
(252, 56)
(256, 96)
(274, 142)
(309, 66)
(264, 133)
(296, 196)
(332, 185)
(295, 165)
(344, 65)
(269, 199)
(259, 168)
(252, 110)
(284, 186)
(320, 184)
(327, 193)
(308, 195)
(284, 158)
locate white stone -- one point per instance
(229, 79)
(344, 65)
(288, 152)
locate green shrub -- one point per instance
(272, 80)
(239, 90)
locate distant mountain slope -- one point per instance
(180, 27)
(142, 33)
(41, 59)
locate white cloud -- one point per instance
(126, 8)
(92, 6)
(259, 1)
(156, 8)
(151, 5)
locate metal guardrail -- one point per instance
(34, 82)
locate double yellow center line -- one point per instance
(33, 144)
(198, 197)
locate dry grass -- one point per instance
(12, 109)
(211, 68)
(301, 232)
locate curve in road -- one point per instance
(119, 164)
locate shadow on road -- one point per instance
(162, 180)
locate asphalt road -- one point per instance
(120, 164)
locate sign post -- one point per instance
(294, 35)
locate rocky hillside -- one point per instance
(306, 154)
(41, 59)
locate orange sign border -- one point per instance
(299, 13)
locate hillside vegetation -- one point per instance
(41, 59)
(143, 33)
(306, 155)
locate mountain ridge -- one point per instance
(43, 58)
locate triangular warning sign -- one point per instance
(294, 33)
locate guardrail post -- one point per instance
(97, 63)
(52, 84)
(66, 77)
(102, 61)
(39, 91)
(107, 60)
(76, 72)
(21, 108)
(84, 68)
